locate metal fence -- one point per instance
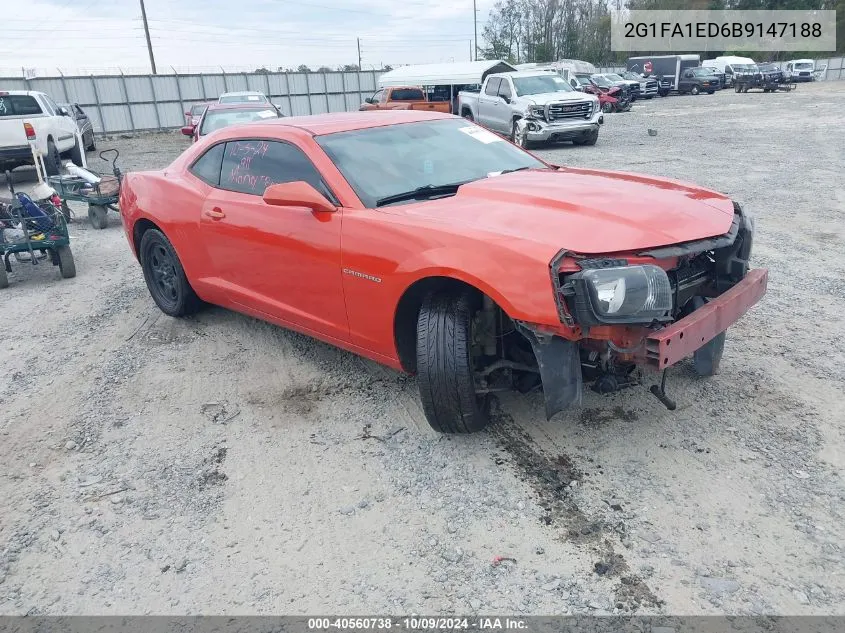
(131, 103)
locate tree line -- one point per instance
(520, 31)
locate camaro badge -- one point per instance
(355, 273)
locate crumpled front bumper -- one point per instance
(685, 336)
(566, 129)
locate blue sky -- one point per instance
(237, 34)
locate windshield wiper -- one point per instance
(421, 193)
(510, 171)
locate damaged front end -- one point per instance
(623, 314)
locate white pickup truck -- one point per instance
(25, 116)
(533, 106)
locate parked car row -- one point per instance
(229, 109)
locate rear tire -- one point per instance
(98, 215)
(67, 267)
(52, 160)
(694, 90)
(444, 365)
(468, 115)
(4, 278)
(165, 277)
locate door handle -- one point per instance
(215, 214)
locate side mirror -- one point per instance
(188, 130)
(506, 99)
(63, 111)
(297, 194)
(369, 100)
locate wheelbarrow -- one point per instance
(100, 191)
(32, 233)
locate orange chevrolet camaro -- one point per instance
(427, 243)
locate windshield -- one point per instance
(384, 161)
(743, 68)
(217, 119)
(633, 76)
(803, 66)
(614, 77)
(701, 72)
(769, 67)
(601, 81)
(584, 81)
(540, 84)
(250, 98)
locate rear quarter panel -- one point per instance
(173, 202)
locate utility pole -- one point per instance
(470, 50)
(475, 29)
(147, 33)
(359, 53)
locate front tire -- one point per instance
(76, 153)
(165, 277)
(518, 139)
(444, 365)
(4, 278)
(607, 107)
(590, 139)
(694, 90)
(52, 160)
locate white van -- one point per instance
(729, 65)
(801, 69)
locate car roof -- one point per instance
(527, 73)
(213, 107)
(242, 92)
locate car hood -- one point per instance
(581, 210)
(555, 97)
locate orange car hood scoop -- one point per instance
(585, 211)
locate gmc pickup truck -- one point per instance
(26, 116)
(404, 98)
(533, 106)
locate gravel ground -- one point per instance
(222, 465)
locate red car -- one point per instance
(427, 243)
(220, 115)
(192, 116)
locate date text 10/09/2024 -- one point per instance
(725, 29)
(415, 623)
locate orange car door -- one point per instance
(281, 261)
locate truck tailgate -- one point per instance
(11, 131)
(435, 106)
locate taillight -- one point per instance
(30, 131)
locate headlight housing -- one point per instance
(538, 112)
(620, 294)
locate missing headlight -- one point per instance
(621, 294)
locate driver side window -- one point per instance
(505, 90)
(378, 97)
(250, 166)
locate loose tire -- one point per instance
(4, 278)
(76, 153)
(52, 160)
(694, 90)
(444, 365)
(165, 277)
(98, 215)
(67, 267)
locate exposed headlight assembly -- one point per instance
(620, 294)
(536, 111)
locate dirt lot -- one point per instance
(223, 465)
